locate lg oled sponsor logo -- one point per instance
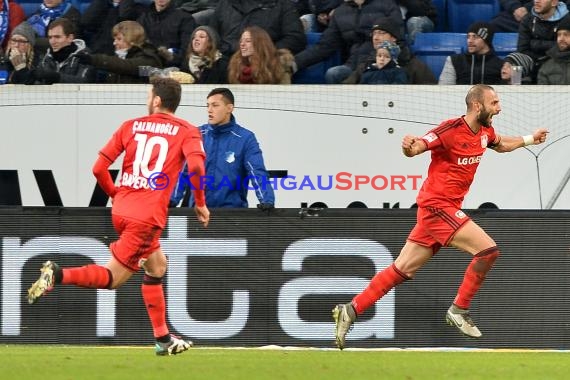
(16, 252)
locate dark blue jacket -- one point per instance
(232, 155)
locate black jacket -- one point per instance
(278, 17)
(127, 70)
(172, 29)
(348, 29)
(217, 74)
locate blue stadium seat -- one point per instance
(462, 13)
(434, 48)
(30, 7)
(505, 43)
(315, 74)
(440, 6)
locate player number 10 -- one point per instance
(144, 152)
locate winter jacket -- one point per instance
(171, 29)
(127, 70)
(279, 18)
(389, 74)
(70, 69)
(217, 74)
(472, 69)
(232, 156)
(100, 17)
(536, 36)
(555, 70)
(348, 29)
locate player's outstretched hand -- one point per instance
(540, 136)
(408, 144)
(203, 215)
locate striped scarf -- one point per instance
(40, 21)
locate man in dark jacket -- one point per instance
(279, 18)
(556, 70)
(60, 63)
(348, 30)
(537, 31)
(169, 29)
(385, 30)
(480, 65)
(234, 160)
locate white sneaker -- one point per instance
(43, 284)
(344, 317)
(175, 346)
(461, 319)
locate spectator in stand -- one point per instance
(509, 18)
(320, 14)
(21, 54)
(537, 31)
(169, 29)
(204, 61)
(480, 65)
(131, 52)
(258, 61)
(517, 59)
(100, 17)
(279, 18)
(11, 15)
(348, 30)
(60, 64)
(420, 16)
(385, 70)
(49, 11)
(556, 70)
(417, 72)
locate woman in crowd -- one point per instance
(204, 61)
(258, 61)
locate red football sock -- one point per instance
(153, 296)
(380, 284)
(474, 276)
(89, 276)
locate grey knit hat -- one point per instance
(212, 34)
(25, 30)
(523, 60)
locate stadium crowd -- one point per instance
(266, 42)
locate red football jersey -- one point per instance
(155, 148)
(455, 155)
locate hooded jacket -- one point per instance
(232, 156)
(70, 69)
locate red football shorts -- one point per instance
(136, 242)
(435, 227)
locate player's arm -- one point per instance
(101, 172)
(510, 143)
(196, 171)
(413, 145)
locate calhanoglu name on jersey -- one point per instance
(161, 128)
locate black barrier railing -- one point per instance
(253, 278)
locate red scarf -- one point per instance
(246, 75)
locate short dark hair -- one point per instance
(169, 91)
(67, 26)
(225, 92)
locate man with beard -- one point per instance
(457, 146)
(479, 64)
(557, 69)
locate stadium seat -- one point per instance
(315, 74)
(30, 7)
(505, 43)
(462, 13)
(441, 25)
(433, 48)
